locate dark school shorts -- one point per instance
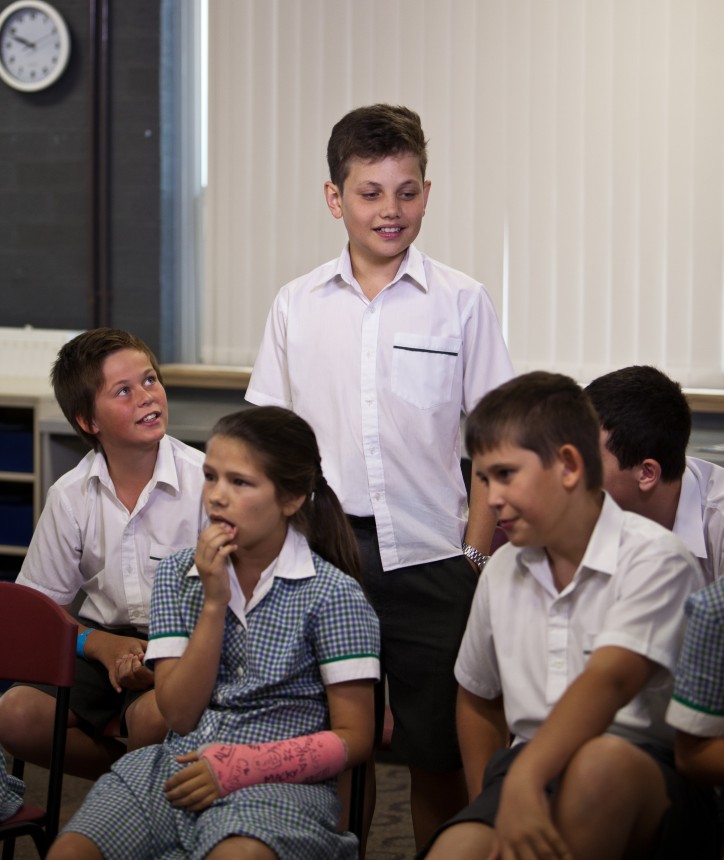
(92, 698)
(689, 827)
(423, 610)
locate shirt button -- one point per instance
(372, 309)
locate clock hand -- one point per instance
(24, 42)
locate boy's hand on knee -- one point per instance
(523, 825)
(132, 674)
(193, 788)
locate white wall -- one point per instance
(576, 158)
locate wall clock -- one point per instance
(34, 45)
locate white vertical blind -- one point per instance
(576, 157)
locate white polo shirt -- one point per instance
(383, 383)
(700, 515)
(528, 641)
(86, 539)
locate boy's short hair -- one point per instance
(540, 412)
(646, 415)
(77, 374)
(371, 134)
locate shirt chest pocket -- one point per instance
(157, 552)
(423, 368)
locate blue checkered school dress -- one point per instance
(269, 687)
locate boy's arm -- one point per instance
(700, 759)
(611, 679)
(481, 518)
(481, 731)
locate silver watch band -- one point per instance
(475, 556)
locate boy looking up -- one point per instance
(131, 501)
(381, 350)
(571, 643)
(645, 426)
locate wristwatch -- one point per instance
(477, 558)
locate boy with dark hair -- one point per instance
(381, 350)
(570, 647)
(106, 524)
(645, 426)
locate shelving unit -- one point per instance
(21, 402)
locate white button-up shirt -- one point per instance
(383, 382)
(87, 540)
(529, 642)
(700, 515)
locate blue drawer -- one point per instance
(16, 450)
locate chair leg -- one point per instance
(8, 849)
(357, 800)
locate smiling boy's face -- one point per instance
(130, 407)
(528, 498)
(382, 205)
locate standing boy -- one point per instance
(132, 500)
(572, 640)
(645, 426)
(381, 350)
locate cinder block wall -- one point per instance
(45, 182)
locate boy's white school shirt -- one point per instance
(383, 383)
(700, 515)
(528, 642)
(86, 539)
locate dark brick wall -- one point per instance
(45, 182)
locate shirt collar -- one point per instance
(601, 553)
(412, 268)
(689, 522)
(293, 562)
(164, 471)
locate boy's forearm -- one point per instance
(587, 708)
(481, 519)
(481, 731)
(700, 759)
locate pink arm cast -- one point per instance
(311, 758)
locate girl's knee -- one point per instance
(73, 846)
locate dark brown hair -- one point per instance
(646, 415)
(77, 374)
(541, 412)
(371, 134)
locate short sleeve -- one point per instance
(697, 706)
(269, 383)
(168, 634)
(347, 635)
(476, 667)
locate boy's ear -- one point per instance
(648, 475)
(425, 193)
(333, 196)
(91, 429)
(572, 468)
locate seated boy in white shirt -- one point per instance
(132, 500)
(645, 427)
(570, 647)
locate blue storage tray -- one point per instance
(16, 521)
(16, 450)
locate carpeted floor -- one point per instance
(390, 836)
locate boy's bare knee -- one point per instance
(144, 722)
(610, 771)
(469, 840)
(24, 712)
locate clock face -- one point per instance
(34, 45)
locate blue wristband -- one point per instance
(80, 642)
